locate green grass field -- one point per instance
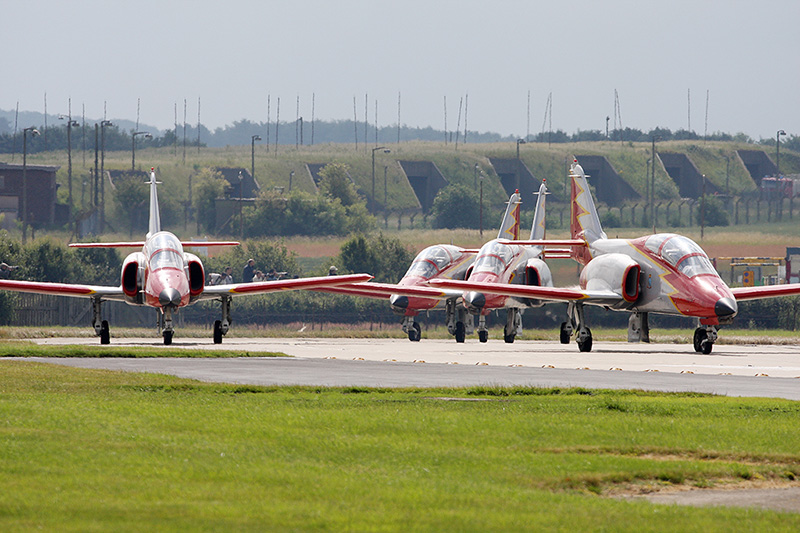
(95, 450)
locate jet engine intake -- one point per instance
(196, 276)
(537, 274)
(618, 273)
(133, 278)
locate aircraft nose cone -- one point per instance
(726, 307)
(475, 300)
(399, 302)
(169, 296)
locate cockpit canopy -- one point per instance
(431, 261)
(165, 250)
(493, 257)
(682, 253)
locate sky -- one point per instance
(670, 62)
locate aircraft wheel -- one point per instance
(461, 332)
(168, 338)
(563, 334)
(483, 335)
(217, 332)
(706, 346)
(105, 333)
(509, 338)
(700, 337)
(415, 333)
(586, 345)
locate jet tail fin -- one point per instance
(509, 229)
(538, 228)
(155, 215)
(584, 221)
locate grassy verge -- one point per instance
(96, 450)
(29, 349)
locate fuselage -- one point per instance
(438, 261)
(165, 279)
(676, 277)
(498, 262)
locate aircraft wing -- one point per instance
(386, 290)
(554, 294)
(770, 291)
(547, 242)
(262, 287)
(63, 289)
(139, 244)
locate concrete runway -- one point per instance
(733, 370)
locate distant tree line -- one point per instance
(339, 131)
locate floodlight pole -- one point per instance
(133, 146)
(778, 150)
(34, 132)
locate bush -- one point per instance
(715, 212)
(456, 207)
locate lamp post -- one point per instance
(778, 150)
(480, 219)
(476, 175)
(291, 175)
(34, 132)
(520, 141)
(103, 125)
(133, 146)
(70, 124)
(253, 140)
(653, 182)
(385, 151)
(241, 213)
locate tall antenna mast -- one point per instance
(466, 108)
(445, 120)
(528, 130)
(355, 122)
(688, 109)
(705, 131)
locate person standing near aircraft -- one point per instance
(248, 271)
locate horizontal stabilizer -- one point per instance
(139, 244)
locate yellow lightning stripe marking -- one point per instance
(662, 276)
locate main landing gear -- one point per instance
(513, 325)
(412, 329)
(100, 326)
(576, 324)
(221, 326)
(459, 321)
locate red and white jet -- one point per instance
(662, 273)
(512, 262)
(163, 276)
(412, 295)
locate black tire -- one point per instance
(700, 335)
(168, 338)
(586, 345)
(105, 333)
(461, 332)
(706, 347)
(415, 333)
(483, 335)
(509, 338)
(218, 332)
(563, 335)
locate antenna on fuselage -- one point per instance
(155, 217)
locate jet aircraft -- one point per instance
(662, 273)
(165, 277)
(509, 262)
(411, 295)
